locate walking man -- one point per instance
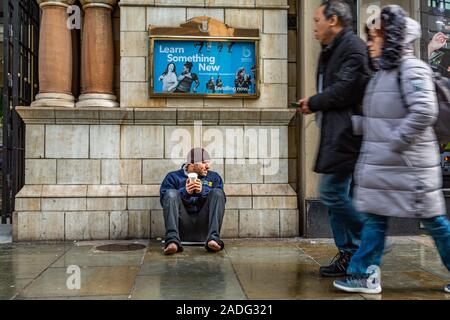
(342, 76)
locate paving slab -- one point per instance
(94, 281)
(193, 274)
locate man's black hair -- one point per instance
(340, 9)
(189, 65)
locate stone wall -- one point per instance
(292, 53)
(97, 176)
(94, 173)
(270, 17)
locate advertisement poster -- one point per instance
(436, 32)
(203, 68)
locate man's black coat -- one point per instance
(344, 64)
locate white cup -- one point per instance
(192, 177)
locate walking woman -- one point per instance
(398, 172)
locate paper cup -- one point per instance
(192, 177)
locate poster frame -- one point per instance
(153, 94)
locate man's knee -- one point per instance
(172, 195)
(217, 193)
(333, 199)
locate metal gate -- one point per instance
(21, 20)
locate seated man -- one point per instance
(179, 196)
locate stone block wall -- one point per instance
(292, 52)
(92, 212)
(94, 173)
(270, 17)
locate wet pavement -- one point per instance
(246, 269)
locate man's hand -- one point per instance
(198, 186)
(304, 106)
(194, 187)
(439, 40)
(190, 187)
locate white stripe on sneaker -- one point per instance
(447, 288)
(375, 290)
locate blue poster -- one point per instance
(204, 67)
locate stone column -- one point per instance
(97, 55)
(55, 56)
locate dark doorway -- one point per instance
(21, 20)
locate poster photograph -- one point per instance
(197, 67)
(436, 51)
(436, 32)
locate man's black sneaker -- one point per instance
(338, 266)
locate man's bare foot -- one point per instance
(214, 246)
(171, 249)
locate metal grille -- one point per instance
(20, 50)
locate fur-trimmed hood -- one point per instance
(400, 32)
(394, 25)
(413, 32)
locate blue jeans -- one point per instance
(346, 222)
(373, 236)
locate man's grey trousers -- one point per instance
(174, 211)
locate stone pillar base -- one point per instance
(54, 100)
(97, 100)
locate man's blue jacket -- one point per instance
(177, 181)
